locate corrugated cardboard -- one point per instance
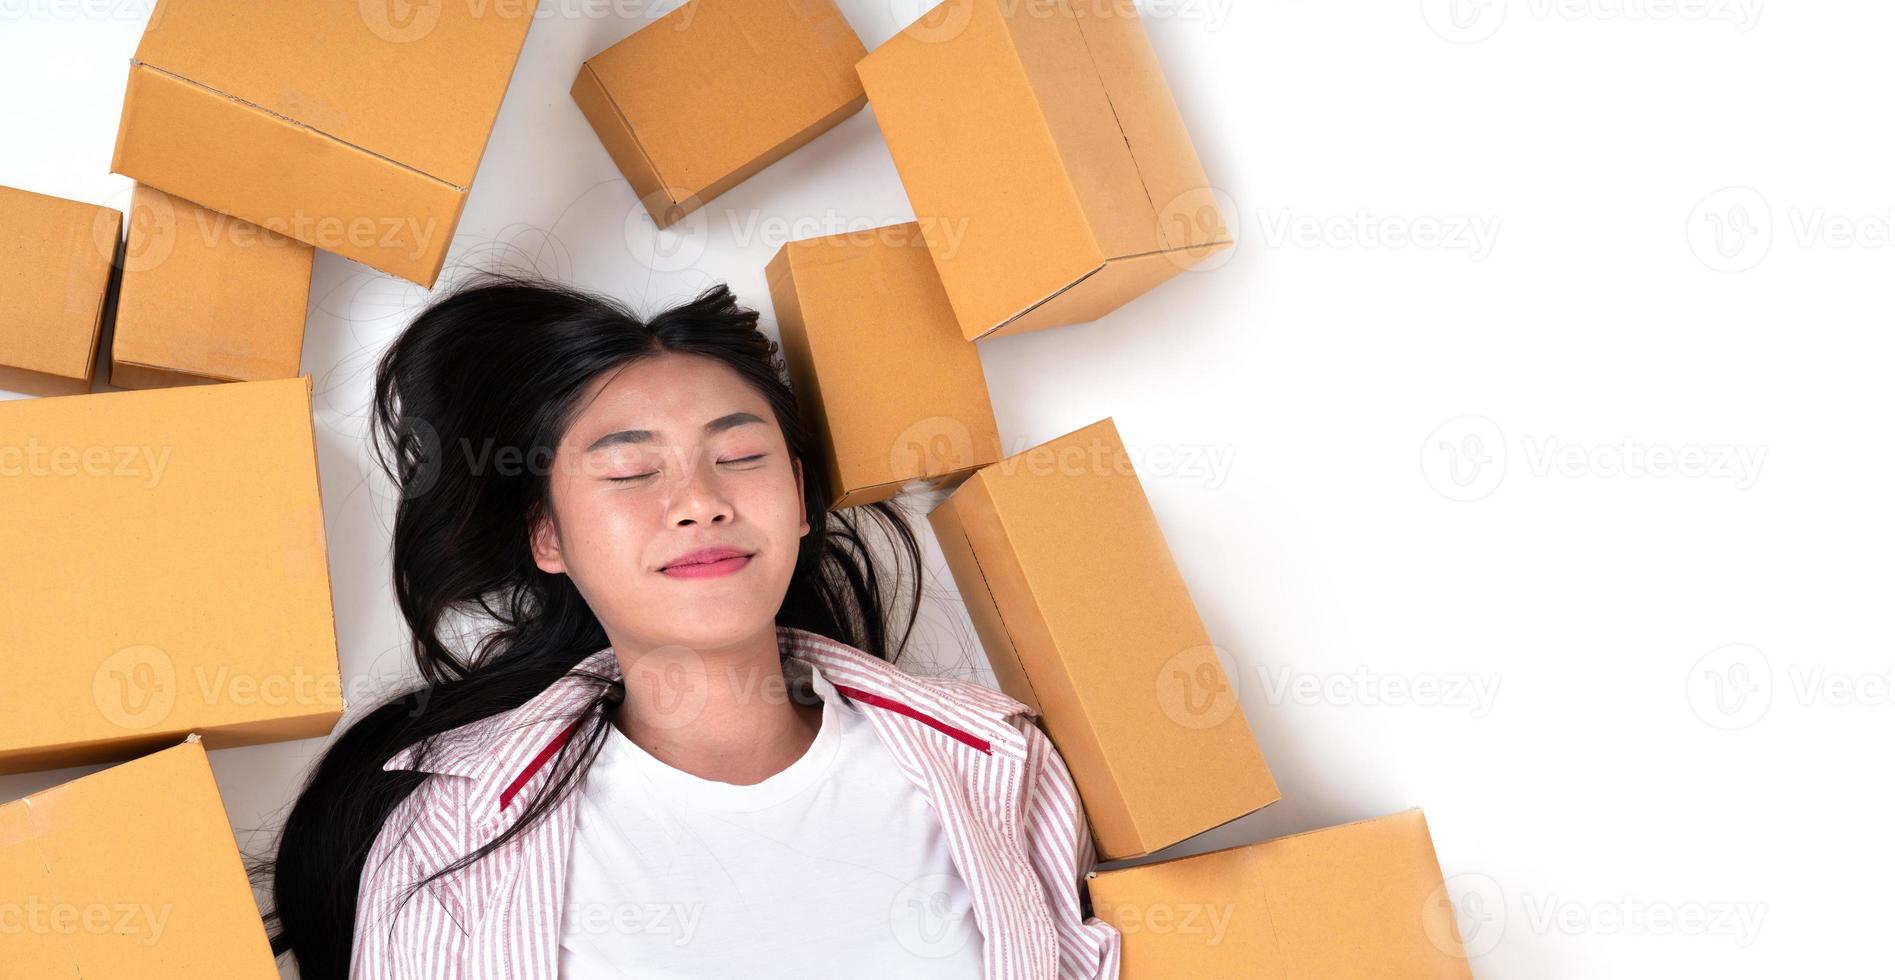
(55, 269)
(880, 369)
(1054, 138)
(205, 297)
(1362, 901)
(162, 570)
(356, 128)
(129, 872)
(708, 95)
(1084, 615)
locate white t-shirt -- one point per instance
(835, 867)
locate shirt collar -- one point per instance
(502, 752)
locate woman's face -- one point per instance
(669, 455)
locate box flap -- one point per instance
(418, 84)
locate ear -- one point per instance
(802, 504)
(544, 540)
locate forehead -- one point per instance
(671, 394)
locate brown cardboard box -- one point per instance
(1054, 137)
(880, 368)
(356, 128)
(1084, 616)
(55, 269)
(129, 872)
(708, 95)
(163, 568)
(1362, 901)
(205, 297)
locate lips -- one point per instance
(705, 556)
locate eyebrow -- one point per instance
(712, 427)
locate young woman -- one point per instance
(660, 733)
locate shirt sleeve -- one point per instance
(1062, 854)
(401, 933)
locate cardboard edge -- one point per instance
(974, 494)
(410, 268)
(603, 113)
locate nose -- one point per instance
(699, 498)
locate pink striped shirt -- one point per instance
(1006, 802)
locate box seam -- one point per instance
(136, 64)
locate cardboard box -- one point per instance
(163, 571)
(205, 297)
(1053, 138)
(55, 270)
(708, 95)
(879, 366)
(356, 128)
(129, 872)
(1084, 616)
(1362, 901)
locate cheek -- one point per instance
(604, 530)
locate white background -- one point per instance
(1617, 270)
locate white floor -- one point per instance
(1529, 454)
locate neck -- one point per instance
(717, 713)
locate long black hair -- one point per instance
(498, 365)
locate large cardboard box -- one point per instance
(55, 270)
(1084, 616)
(708, 95)
(205, 297)
(129, 872)
(1362, 901)
(162, 571)
(880, 369)
(1049, 130)
(353, 127)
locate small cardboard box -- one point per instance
(1053, 137)
(1362, 901)
(130, 872)
(205, 297)
(1084, 616)
(163, 571)
(708, 95)
(880, 368)
(356, 128)
(55, 269)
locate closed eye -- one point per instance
(747, 459)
